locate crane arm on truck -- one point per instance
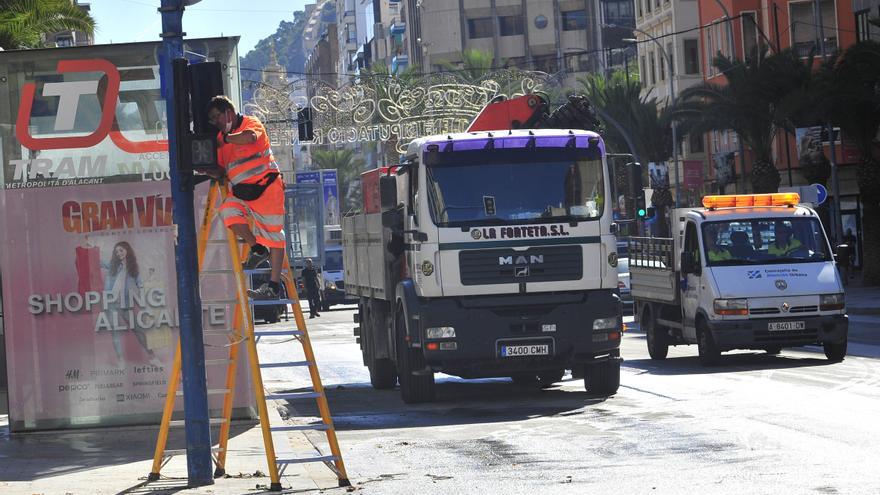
(531, 111)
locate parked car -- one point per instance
(623, 285)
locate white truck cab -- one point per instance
(744, 272)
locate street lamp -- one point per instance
(668, 58)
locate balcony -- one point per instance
(399, 63)
(398, 27)
(805, 48)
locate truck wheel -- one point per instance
(657, 337)
(413, 388)
(603, 378)
(835, 351)
(383, 376)
(709, 353)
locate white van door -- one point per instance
(691, 282)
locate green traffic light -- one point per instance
(642, 212)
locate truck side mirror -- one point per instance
(387, 191)
(393, 218)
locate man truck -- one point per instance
(744, 272)
(487, 254)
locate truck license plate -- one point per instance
(785, 325)
(525, 350)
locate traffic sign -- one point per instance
(822, 193)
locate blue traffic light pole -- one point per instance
(192, 350)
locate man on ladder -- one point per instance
(244, 153)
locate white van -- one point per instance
(744, 272)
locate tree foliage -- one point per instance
(348, 167)
(25, 23)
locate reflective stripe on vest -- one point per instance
(252, 166)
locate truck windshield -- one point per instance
(764, 241)
(534, 186)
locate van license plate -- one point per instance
(786, 325)
(525, 350)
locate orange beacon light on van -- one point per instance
(733, 200)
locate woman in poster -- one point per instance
(123, 278)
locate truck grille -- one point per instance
(506, 266)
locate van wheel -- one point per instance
(657, 337)
(709, 353)
(835, 351)
(413, 388)
(602, 379)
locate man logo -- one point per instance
(476, 234)
(521, 271)
(534, 259)
(781, 284)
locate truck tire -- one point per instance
(413, 388)
(835, 351)
(656, 336)
(709, 353)
(383, 375)
(602, 379)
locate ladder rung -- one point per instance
(182, 422)
(279, 333)
(300, 460)
(272, 302)
(217, 271)
(172, 452)
(287, 364)
(293, 395)
(209, 362)
(221, 301)
(317, 426)
(211, 391)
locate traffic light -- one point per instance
(635, 192)
(194, 86)
(304, 124)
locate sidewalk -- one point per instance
(117, 460)
(862, 300)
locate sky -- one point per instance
(124, 21)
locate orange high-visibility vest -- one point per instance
(247, 163)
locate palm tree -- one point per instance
(475, 65)
(25, 23)
(758, 101)
(851, 100)
(348, 168)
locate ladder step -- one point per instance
(272, 302)
(317, 426)
(182, 422)
(217, 271)
(210, 362)
(301, 460)
(294, 395)
(288, 364)
(278, 333)
(211, 391)
(173, 452)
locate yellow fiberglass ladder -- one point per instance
(242, 332)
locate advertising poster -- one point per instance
(88, 242)
(331, 197)
(693, 174)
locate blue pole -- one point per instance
(195, 391)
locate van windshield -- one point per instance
(764, 241)
(333, 261)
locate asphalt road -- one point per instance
(758, 424)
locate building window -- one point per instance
(696, 143)
(662, 63)
(749, 34)
(640, 7)
(618, 12)
(63, 41)
(803, 28)
(574, 20)
(691, 57)
(643, 74)
(352, 33)
(480, 28)
(671, 53)
(653, 68)
(863, 27)
(510, 25)
(648, 6)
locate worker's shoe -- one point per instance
(259, 253)
(263, 292)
